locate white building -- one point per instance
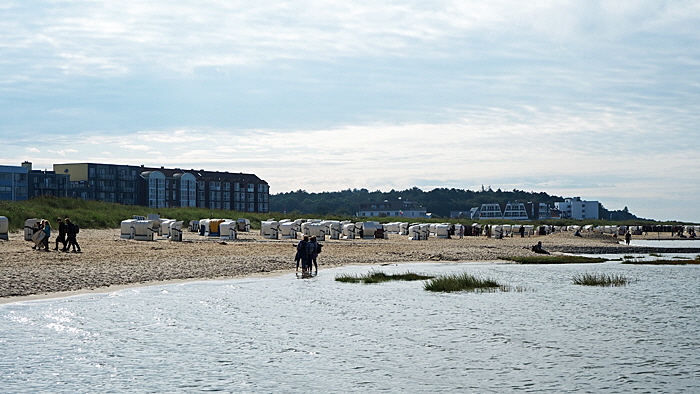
(575, 208)
(490, 211)
(515, 211)
(398, 208)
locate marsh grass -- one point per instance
(462, 282)
(588, 279)
(378, 277)
(557, 259)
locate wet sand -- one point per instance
(108, 262)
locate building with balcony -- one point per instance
(575, 208)
(166, 187)
(398, 208)
(14, 183)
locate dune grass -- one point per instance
(461, 282)
(102, 215)
(594, 279)
(556, 259)
(379, 277)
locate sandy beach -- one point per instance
(107, 261)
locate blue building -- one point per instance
(13, 183)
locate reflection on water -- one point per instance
(317, 335)
(666, 243)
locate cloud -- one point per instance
(596, 98)
(62, 152)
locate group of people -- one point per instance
(307, 253)
(67, 235)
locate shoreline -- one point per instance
(109, 263)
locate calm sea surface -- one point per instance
(287, 335)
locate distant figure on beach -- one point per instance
(72, 232)
(538, 248)
(312, 252)
(628, 237)
(301, 253)
(61, 238)
(47, 232)
(522, 231)
(461, 231)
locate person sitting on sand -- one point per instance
(538, 248)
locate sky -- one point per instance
(595, 99)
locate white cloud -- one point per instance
(596, 98)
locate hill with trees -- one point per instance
(440, 201)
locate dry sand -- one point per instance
(108, 261)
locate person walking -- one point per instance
(302, 254)
(628, 237)
(62, 230)
(72, 232)
(312, 253)
(47, 234)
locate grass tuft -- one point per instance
(587, 279)
(378, 277)
(461, 282)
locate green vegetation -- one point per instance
(378, 277)
(462, 282)
(439, 201)
(326, 205)
(95, 214)
(587, 279)
(557, 259)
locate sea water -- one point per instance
(289, 335)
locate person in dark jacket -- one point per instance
(312, 253)
(302, 255)
(62, 230)
(72, 232)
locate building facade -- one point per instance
(166, 187)
(398, 208)
(575, 208)
(14, 183)
(490, 211)
(46, 183)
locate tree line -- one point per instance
(440, 201)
